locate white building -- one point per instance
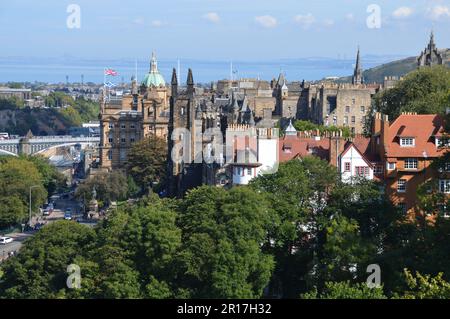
(257, 155)
(353, 164)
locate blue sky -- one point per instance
(220, 29)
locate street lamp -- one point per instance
(31, 187)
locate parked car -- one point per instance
(5, 240)
(67, 216)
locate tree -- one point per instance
(424, 91)
(346, 290)
(51, 177)
(39, 270)
(222, 235)
(110, 187)
(17, 175)
(12, 211)
(147, 162)
(298, 193)
(425, 286)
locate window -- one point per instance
(347, 109)
(132, 140)
(444, 186)
(110, 155)
(111, 125)
(447, 167)
(249, 171)
(353, 101)
(110, 140)
(345, 120)
(132, 126)
(353, 120)
(378, 170)
(401, 185)
(390, 166)
(335, 121)
(362, 171)
(411, 163)
(442, 142)
(363, 119)
(352, 130)
(402, 208)
(123, 154)
(123, 126)
(347, 167)
(363, 109)
(123, 139)
(407, 141)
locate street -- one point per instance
(58, 214)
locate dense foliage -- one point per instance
(17, 175)
(425, 91)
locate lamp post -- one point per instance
(31, 187)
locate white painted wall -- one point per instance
(267, 157)
(353, 157)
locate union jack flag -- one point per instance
(110, 72)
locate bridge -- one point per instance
(34, 145)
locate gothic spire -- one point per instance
(174, 77)
(357, 74)
(190, 78)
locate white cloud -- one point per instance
(157, 23)
(212, 17)
(437, 12)
(402, 12)
(266, 21)
(139, 21)
(305, 20)
(328, 22)
(350, 16)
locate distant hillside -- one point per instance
(395, 68)
(39, 121)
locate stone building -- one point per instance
(430, 55)
(129, 118)
(333, 104)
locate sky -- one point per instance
(220, 29)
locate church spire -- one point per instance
(174, 82)
(357, 74)
(153, 63)
(190, 82)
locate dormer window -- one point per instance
(442, 142)
(407, 142)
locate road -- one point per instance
(58, 214)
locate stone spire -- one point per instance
(190, 82)
(174, 82)
(431, 55)
(357, 74)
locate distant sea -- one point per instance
(55, 70)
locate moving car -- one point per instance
(5, 240)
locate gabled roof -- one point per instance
(423, 128)
(351, 145)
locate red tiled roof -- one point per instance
(423, 128)
(301, 147)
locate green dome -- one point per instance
(153, 77)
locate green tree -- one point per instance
(147, 161)
(424, 91)
(346, 290)
(222, 235)
(17, 175)
(425, 286)
(39, 270)
(112, 186)
(12, 211)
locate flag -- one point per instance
(109, 84)
(110, 72)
